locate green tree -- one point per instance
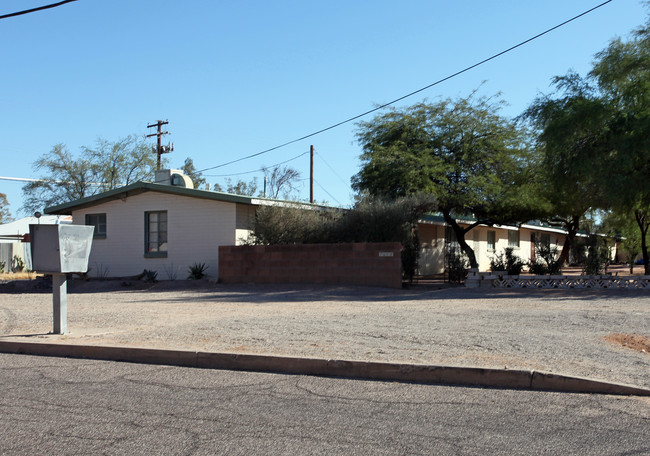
(239, 187)
(188, 169)
(624, 227)
(5, 215)
(623, 75)
(572, 144)
(462, 152)
(108, 165)
(119, 163)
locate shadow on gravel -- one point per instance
(208, 291)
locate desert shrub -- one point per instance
(150, 276)
(457, 266)
(598, 258)
(17, 264)
(508, 262)
(537, 268)
(171, 271)
(197, 271)
(549, 263)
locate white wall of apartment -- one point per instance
(432, 249)
(432, 239)
(196, 228)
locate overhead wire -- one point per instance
(330, 195)
(333, 170)
(257, 170)
(33, 10)
(385, 105)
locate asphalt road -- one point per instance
(67, 406)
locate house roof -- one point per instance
(141, 187)
(438, 219)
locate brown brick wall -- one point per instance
(371, 264)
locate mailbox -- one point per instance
(59, 249)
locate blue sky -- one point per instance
(236, 78)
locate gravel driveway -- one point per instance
(560, 331)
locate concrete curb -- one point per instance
(417, 373)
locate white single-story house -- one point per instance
(166, 226)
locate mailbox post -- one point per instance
(59, 250)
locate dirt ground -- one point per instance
(633, 341)
(590, 333)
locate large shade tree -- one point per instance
(622, 71)
(467, 155)
(572, 153)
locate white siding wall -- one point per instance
(432, 254)
(432, 239)
(245, 218)
(196, 228)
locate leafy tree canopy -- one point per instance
(5, 215)
(64, 177)
(463, 152)
(189, 169)
(572, 153)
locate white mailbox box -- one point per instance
(59, 249)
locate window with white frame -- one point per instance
(155, 243)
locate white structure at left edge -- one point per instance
(13, 233)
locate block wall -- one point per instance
(368, 264)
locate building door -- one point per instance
(532, 247)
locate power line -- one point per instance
(330, 195)
(458, 73)
(255, 171)
(333, 170)
(49, 181)
(33, 10)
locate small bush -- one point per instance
(508, 262)
(537, 268)
(150, 276)
(457, 267)
(17, 264)
(597, 257)
(171, 271)
(549, 263)
(2, 266)
(102, 270)
(197, 271)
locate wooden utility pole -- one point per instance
(160, 150)
(311, 174)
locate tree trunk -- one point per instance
(572, 229)
(642, 220)
(460, 238)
